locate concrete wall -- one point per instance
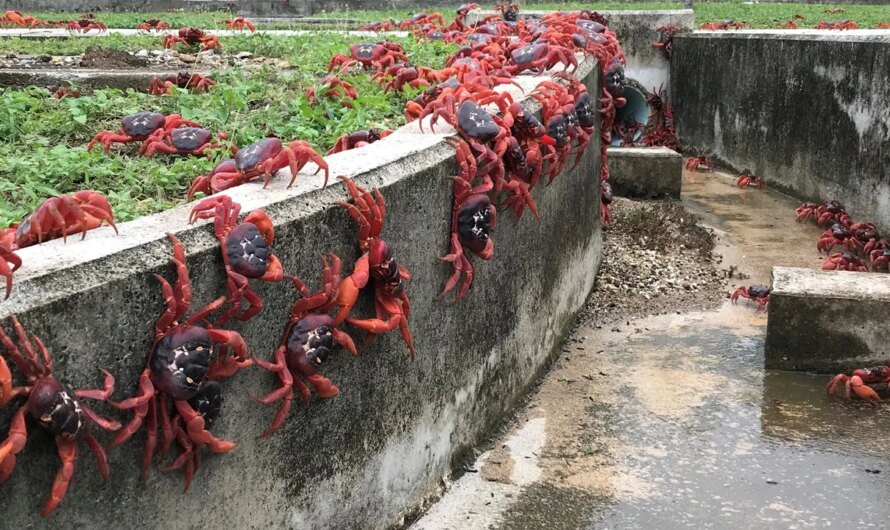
(805, 109)
(370, 456)
(646, 172)
(827, 322)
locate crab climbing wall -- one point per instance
(806, 109)
(369, 457)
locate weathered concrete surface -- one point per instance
(83, 77)
(827, 321)
(636, 31)
(805, 109)
(370, 456)
(648, 172)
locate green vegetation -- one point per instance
(42, 151)
(771, 15)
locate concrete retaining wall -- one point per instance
(827, 321)
(647, 172)
(805, 109)
(370, 456)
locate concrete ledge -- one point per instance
(647, 172)
(827, 321)
(371, 456)
(137, 79)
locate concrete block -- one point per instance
(373, 455)
(827, 321)
(647, 172)
(806, 109)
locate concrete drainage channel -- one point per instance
(381, 447)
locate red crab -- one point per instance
(844, 261)
(838, 234)
(476, 126)
(210, 183)
(307, 344)
(378, 26)
(746, 179)
(835, 11)
(9, 261)
(182, 141)
(378, 55)
(539, 56)
(195, 83)
(866, 238)
(60, 217)
(880, 258)
(757, 293)
(420, 19)
(358, 139)
(22, 21)
(882, 25)
(86, 24)
(839, 25)
(859, 381)
(267, 156)
(725, 24)
(246, 253)
(192, 37)
(661, 121)
(831, 212)
(138, 127)
(666, 39)
(62, 92)
(333, 87)
(391, 302)
(694, 163)
(509, 12)
(788, 25)
(606, 199)
(53, 407)
(180, 365)
(239, 24)
(153, 24)
(473, 218)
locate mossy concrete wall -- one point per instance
(376, 453)
(806, 109)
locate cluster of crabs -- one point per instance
(179, 394)
(86, 23)
(502, 151)
(502, 148)
(864, 249)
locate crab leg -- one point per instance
(195, 427)
(13, 445)
(68, 455)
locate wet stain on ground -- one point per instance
(671, 421)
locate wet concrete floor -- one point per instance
(671, 422)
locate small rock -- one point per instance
(244, 55)
(142, 53)
(187, 58)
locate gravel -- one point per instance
(679, 275)
(168, 59)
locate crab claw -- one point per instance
(863, 391)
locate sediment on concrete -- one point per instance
(84, 78)
(806, 109)
(645, 172)
(370, 456)
(827, 321)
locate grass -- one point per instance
(42, 140)
(758, 15)
(770, 15)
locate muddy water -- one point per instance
(670, 421)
